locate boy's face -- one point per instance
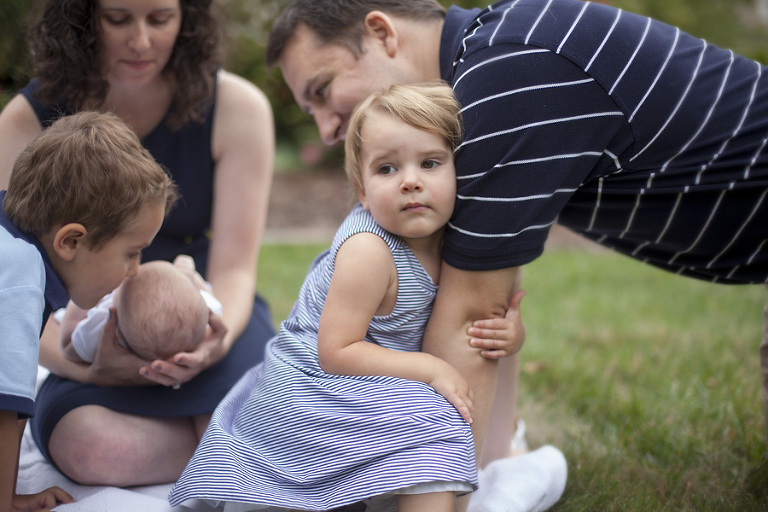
(93, 273)
(408, 177)
(329, 81)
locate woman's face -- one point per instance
(138, 37)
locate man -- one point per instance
(622, 128)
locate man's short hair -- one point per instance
(87, 168)
(341, 21)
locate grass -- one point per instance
(648, 382)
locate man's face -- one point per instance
(328, 81)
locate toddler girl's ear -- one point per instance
(68, 239)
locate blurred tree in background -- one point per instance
(741, 25)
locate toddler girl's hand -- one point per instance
(451, 385)
(500, 337)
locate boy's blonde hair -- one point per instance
(88, 168)
(429, 106)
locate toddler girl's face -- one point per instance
(409, 180)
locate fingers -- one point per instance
(184, 262)
(494, 354)
(109, 334)
(184, 366)
(488, 331)
(515, 300)
(464, 405)
(216, 323)
(170, 373)
(187, 265)
(58, 495)
(44, 500)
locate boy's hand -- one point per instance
(500, 337)
(451, 385)
(184, 366)
(42, 501)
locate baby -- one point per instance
(160, 312)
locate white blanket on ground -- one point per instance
(528, 483)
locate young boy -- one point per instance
(83, 200)
(160, 312)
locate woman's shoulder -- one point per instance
(234, 90)
(242, 109)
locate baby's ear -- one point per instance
(68, 239)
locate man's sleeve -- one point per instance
(536, 128)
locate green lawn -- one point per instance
(647, 381)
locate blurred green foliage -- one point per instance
(735, 24)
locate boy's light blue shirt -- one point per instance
(29, 290)
(22, 301)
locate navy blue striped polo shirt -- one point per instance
(622, 128)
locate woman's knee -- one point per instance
(95, 446)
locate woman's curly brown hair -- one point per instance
(66, 57)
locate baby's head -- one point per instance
(160, 311)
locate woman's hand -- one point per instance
(113, 365)
(500, 337)
(184, 366)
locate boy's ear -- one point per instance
(67, 239)
(381, 27)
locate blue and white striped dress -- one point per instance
(291, 435)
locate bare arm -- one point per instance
(244, 148)
(463, 298)
(11, 430)
(9, 457)
(364, 284)
(72, 317)
(18, 126)
(243, 151)
(112, 365)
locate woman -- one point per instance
(154, 63)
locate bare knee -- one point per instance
(93, 445)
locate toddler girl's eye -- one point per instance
(429, 164)
(387, 169)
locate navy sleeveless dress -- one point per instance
(290, 435)
(186, 153)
